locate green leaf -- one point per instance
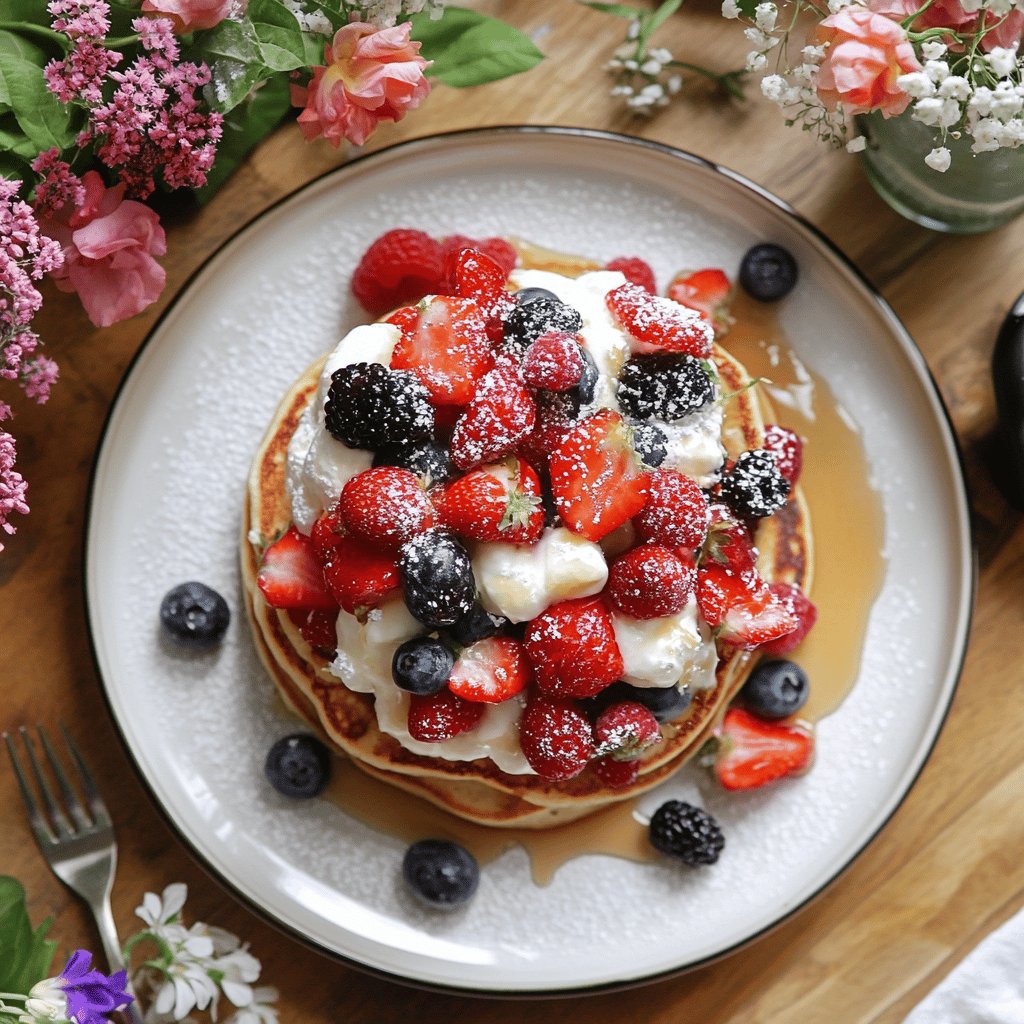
(657, 18)
(244, 127)
(14, 140)
(278, 35)
(25, 954)
(619, 10)
(469, 48)
(232, 52)
(42, 117)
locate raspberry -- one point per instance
(650, 581)
(625, 730)
(676, 513)
(554, 362)
(497, 249)
(554, 421)
(797, 602)
(398, 268)
(636, 271)
(788, 449)
(555, 736)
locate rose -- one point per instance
(371, 75)
(190, 15)
(109, 246)
(865, 54)
(1006, 32)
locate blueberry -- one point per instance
(525, 295)
(298, 766)
(476, 624)
(427, 460)
(441, 874)
(686, 832)
(526, 323)
(754, 486)
(668, 387)
(776, 689)
(422, 665)
(768, 272)
(666, 703)
(194, 614)
(583, 393)
(650, 443)
(438, 578)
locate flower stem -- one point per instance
(28, 28)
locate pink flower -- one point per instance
(866, 52)
(941, 14)
(371, 75)
(109, 247)
(190, 15)
(1007, 33)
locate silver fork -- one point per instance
(78, 845)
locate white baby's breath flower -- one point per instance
(999, 7)
(756, 61)
(986, 133)
(660, 54)
(813, 54)
(622, 90)
(835, 6)
(916, 84)
(650, 67)
(1002, 60)
(673, 84)
(936, 70)
(773, 87)
(932, 49)
(730, 9)
(765, 15)
(929, 111)
(955, 87)
(759, 39)
(634, 29)
(856, 145)
(980, 104)
(938, 159)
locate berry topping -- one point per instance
(529, 320)
(422, 665)
(754, 486)
(788, 449)
(728, 541)
(616, 774)
(664, 702)
(659, 324)
(668, 387)
(474, 275)
(427, 460)
(753, 752)
(369, 406)
(525, 295)
(400, 267)
(556, 738)
(491, 670)
(194, 614)
(797, 602)
(502, 252)
(476, 624)
(650, 443)
(441, 716)
(290, 575)
(597, 479)
(555, 418)
(298, 766)
(445, 344)
(707, 291)
(440, 873)
(650, 581)
(636, 271)
(496, 502)
(553, 362)
(625, 730)
(583, 392)
(385, 505)
(500, 415)
(438, 578)
(572, 648)
(741, 607)
(686, 832)
(768, 272)
(676, 514)
(776, 689)
(318, 627)
(359, 575)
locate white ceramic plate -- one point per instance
(166, 504)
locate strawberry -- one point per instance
(500, 415)
(788, 449)
(474, 275)
(659, 325)
(636, 271)
(708, 292)
(441, 716)
(446, 346)
(728, 541)
(554, 362)
(400, 267)
(328, 532)
(555, 736)
(359, 575)
(385, 505)
(753, 752)
(502, 252)
(597, 479)
(491, 670)
(741, 607)
(317, 626)
(616, 774)
(290, 575)
(555, 418)
(625, 730)
(572, 648)
(496, 502)
(676, 512)
(797, 602)
(650, 581)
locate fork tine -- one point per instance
(92, 794)
(71, 801)
(57, 817)
(43, 833)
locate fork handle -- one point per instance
(115, 958)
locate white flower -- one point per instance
(999, 7)
(813, 54)
(773, 87)
(239, 968)
(932, 49)
(916, 84)
(936, 70)
(674, 84)
(765, 15)
(186, 987)
(756, 61)
(660, 54)
(1002, 60)
(980, 104)
(856, 145)
(986, 133)
(938, 159)
(650, 67)
(937, 113)
(730, 9)
(634, 29)
(259, 1011)
(955, 87)
(835, 6)
(46, 1002)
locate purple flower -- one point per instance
(91, 996)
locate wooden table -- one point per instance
(947, 868)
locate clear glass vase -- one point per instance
(979, 192)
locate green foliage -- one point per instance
(45, 121)
(649, 19)
(25, 953)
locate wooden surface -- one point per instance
(945, 871)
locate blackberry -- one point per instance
(476, 624)
(429, 461)
(438, 578)
(668, 387)
(666, 703)
(194, 614)
(650, 442)
(422, 665)
(369, 406)
(526, 323)
(298, 766)
(441, 874)
(525, 295)
(686, 832)
(776, 689)
(754, 487)
(768, 272)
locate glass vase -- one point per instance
(979, 191)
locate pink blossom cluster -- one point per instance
(82, 71)
(12, 484)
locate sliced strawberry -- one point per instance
(555, 418)
(441, 716)
(626, 730)
(788, 449)
(616, 774)
(503, 253)
(290, 575)
(806, 612)
(317, 626)
(554, 362)
(328, 532)
(500, 415)
(636, 271)
(650, 581)
(753, 752)
(597, 479)
(359, 575)
(555, 736)
(385, 505)
(446, 347)
(728, 541)
(572, 648)
(741, 607)
(400, 267)
(709, 292)
(659, 325)
(676, 513)
(491, 670)
(496, 502)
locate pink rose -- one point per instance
(109, 247)
(1008, 32)
(371, 75)
(190, 15)
(941, 14)
(866, 52)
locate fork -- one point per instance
(78, 845)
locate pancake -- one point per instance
(477, 789)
